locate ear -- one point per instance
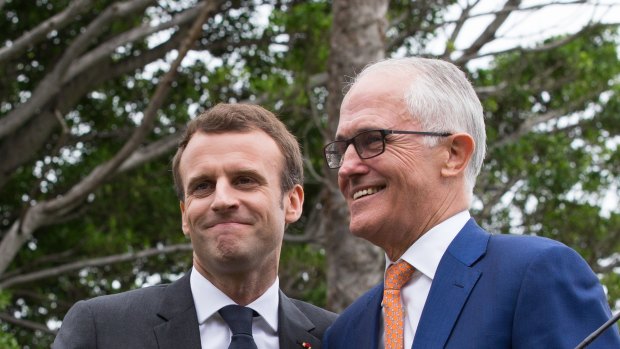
(184, 223)
(461, 148)
(293, 205)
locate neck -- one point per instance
(448, 207)
(242, 287)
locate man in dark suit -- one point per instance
(418, 136)
(238, 173)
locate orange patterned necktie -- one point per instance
(395, 277)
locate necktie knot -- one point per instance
(397, 275)
(239, 319)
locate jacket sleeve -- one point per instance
(78, 328)
(560, 303)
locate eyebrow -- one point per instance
(235, 172)
(358, 131)
(192, 181)
(250, 172)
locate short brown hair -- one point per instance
(224, 118)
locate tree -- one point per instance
(83, 97)
(357, 37)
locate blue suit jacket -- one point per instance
(495, 292)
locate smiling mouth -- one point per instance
(365, 192)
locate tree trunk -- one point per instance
(357, 38)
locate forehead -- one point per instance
(230, 150)
(375, 101)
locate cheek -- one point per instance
(406, 163)
(264, 207)
(194, 210)
(277, 215)
(415, 162)
(189, 203)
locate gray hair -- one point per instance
(442, 99)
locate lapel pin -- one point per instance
(305, 345)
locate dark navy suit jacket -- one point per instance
(495, 292)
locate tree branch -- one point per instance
(459, 22)
(151, 151)
(49, 86)
(510, 9)
(609, 267)
(496, 195)
(105, 49)
(306, 237)
(32, 37)
(52, 258)
(35, 326)
(542, 48)
(490, 32)
(96, 177)
(531, 122)
(32, 136)
(93, 262)
(108, 70)
(457, 29)
(316, 80)
(18, 148)
(40, 298)
(486, 91)
(422, 8)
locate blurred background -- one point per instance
(94, 95)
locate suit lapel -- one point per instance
(453, 282)
(294, 326)
(365, 333)
(180, 326)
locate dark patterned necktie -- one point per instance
(239, 319)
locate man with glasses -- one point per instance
(409, 145)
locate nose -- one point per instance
(224, 198)
(351, 164)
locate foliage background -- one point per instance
(552, 110)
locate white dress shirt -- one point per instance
(424, 255)
(215, 333)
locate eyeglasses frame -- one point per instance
(384, 133)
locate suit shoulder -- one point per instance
(138, 295)
(322, 318)
(361, 305)
(527, 245)
(103, 315)
(136, 301)
(536, 256)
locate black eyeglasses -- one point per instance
(367, 144)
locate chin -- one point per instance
(234, 263)
(359, 229)
(229, 249)
(368, 228)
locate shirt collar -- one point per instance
(208, 299)
(426, 253)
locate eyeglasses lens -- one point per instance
(369, 144)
